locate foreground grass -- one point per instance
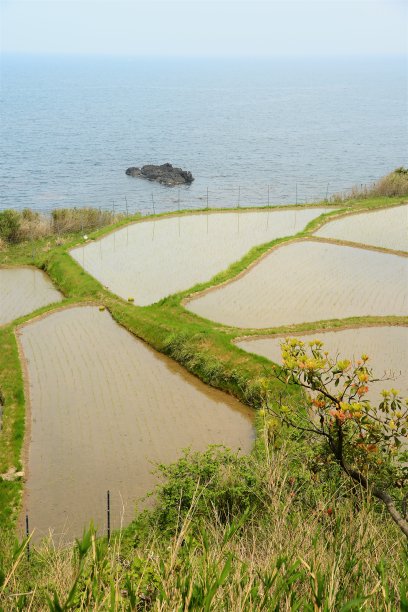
(298, 546)
(228, 533)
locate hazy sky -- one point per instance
(205, 27)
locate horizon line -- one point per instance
(201, 57)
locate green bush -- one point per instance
(217, 481)
(10, 225)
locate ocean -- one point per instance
(252, 132)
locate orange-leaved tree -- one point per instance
(367, 441)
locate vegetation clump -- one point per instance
(21, 226)
(393, 184)
(10, 221)
(71, 220)
(367, 442)
(219, 483)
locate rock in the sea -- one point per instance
(133, 171)
(164, 174)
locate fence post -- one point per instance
(127, 210)
(154, 211)
(268, 196)
(296, 193)
(207, 198)
(27, 535)
(108, 515)
(239, 196)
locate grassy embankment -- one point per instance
(205, 349)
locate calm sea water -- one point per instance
(305, 128)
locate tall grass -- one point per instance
(21, 226)
(393, 184)
(71, 220)
(300, 544)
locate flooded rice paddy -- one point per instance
(23, 290)
(382, 228)
(309, 281)
(150, 260)
(387, 348)
(104, 408)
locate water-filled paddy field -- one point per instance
(104, 406)
(386, 346)
(382, 228)
(23, 290)
(153, 259)
(309, 281)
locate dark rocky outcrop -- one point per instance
(164, 174)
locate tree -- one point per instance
(368, 442)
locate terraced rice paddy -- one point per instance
(382, 228)
(104, 406)
(387, 348)
(150, 260)
(308, 281)
(23, 290)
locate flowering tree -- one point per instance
(368, 442)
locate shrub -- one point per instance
(217, 481)
(366, 441)
(10, 225)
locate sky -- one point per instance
(205, 28)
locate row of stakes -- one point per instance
(108, 525)
(238, 199)
(238, 192)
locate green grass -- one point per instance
(13, 421)
(11, 384)
(355, 206)
(228, 533)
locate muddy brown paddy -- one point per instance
(309, 281)
(23, 290)
(387, 348)
(150, 260)
(383, 228)
(104, 408)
